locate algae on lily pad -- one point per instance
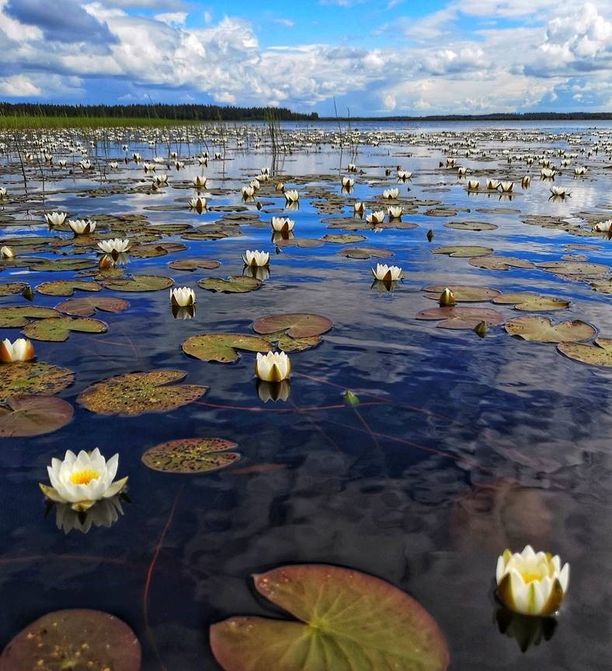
(86, 306)
(140, 283)
(73, 640)
(58, 330)
(344, 621)
(24, 416)
(526, 301)
(463, 251)
(66, 287)
(16, 316)
(33, 377)
(222, 347)
(136, 393)
(461, 317)
(598, 354)
(463, 294)
(294, 324)
(541, 329)
(237, 284)
(191, 455)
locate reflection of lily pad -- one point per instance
(463, 251)
(25, 379)
(599, 354)
(463, 294)
(296, 325)
(73, 640)
(20, 315)
(33, 416)
(137, 393)
(221, 347)
(365, 253)
(499, 262)
(237, 284)
(140, 283)
(191, 455)
(345, 621)
(66, 287)
(462, 317)
(529, 302)
(541, 329)
(194, 264)
(58, 330)
(87, 306)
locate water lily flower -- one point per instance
(247, 192)
(358, 208)
(376, 217)
(447, 298)
(384, 273)
(548, 173)
(82, 226)
(217, 156)
(390, 193)
(450, 162)
(113, 165)
(136, 157)
(403, 175)
(351, 167)
(256, 258)
(473, 185)
(525, 181)
(273, 391)
(282, 224)
(531, 583)
(179, 165)
(182, 296)
(149, 167)
(273, 366)
(114, 247)
(603, 226)
(160, 180)
(21, 350)
(280, 186)
(462, 172)
(395, 212)
(200, 182)
(347, 183)
(85, 164)
(106, 262)
(255, 183)
(580, 170)
(81, 480)
(102, 514)
(203, 160)
(6, 253)
(55, 218)
(292, 196)
(198, 204)
(506, 187)
(492, 184)
(559, 192)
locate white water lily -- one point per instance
(160, 180)
(82, 479)
(358, 208)
(113, 165)
(390, 193)
(282, 224)
(149, 167)
(376, 217)
(55, 218)
(580, 170)
(115, 246)
(279, 187)
(548, 173)
(492, 184)
(198, 204)
(136, 157)
(292, 196)
(461, 172)
(348, 182)
(525, 181)
(403, 175)
(247, 192)
(473, 185)
(182, 297)
(255, 183)
(62, 163)
(531, 583)
(85, 164)
(6, 253)
(217, 156)
(2, 192)
(273, 366)
(603, 226)
(256, 258)
(395, 212)
(351, 167)
(450, 162)
(559, 192)
(200, 181)
(82, 226)
(506, 187)
(179, 165)
(384, 273)
(21, 350)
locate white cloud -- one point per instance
(19, 86)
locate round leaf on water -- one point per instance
(237, 284)
(345, 621)
(461, 251)
(599, 354)
(194, 264)
(87, 305)
(75, 640)
(24, 379)
(343, 238)
(66, 287)
(296, 325)
(541, 329)
(61, 265)
(140, 283)
(470, 225)
(12, 288)
(462, 317)
(58, 330)
(137, 393)
(191, 455)
(33, 416)
(499, 262)
(576, 269)
(221, 347)
(528, 302)
(602, 286)
(365, 253)
(463, 294)
(12, 317)
(286, 343)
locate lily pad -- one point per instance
(576, 268)
(66, 287)
(29, 378)
(221, 347)
(541, 329)
(136, 393)
(462, 317)
(191, 455)
(237, 284)
(194, 264)
(288, 344)
(345, 621)
(12, 288)
(343, 238)
(295, 325)
(529, 302)
(87, 306)
(463, 294)
(599, 354)
(58, 330)
(499, 262)
(463, 251)
(74, 640)
(365, 253)
(12, 317)
(602, 286)
(61, 265)
(33, 416)
(140, 283)
(471, 226)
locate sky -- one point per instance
(376, 58)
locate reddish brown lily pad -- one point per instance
(499, 262)
(87, 305)
(526, 301)
(191, 455)
(295, 325)
(194, 264)
(29, 378)
(25, 416)
(541, 329)
(462, 317)
(599, 354)
(222, 347)
(58, 330)
(140, 283)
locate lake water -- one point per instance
(460, 446)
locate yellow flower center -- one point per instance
(84, 477)
(531, 576)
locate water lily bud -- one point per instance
(21, 350)
(525, 181)
(481, 329)
(55, 218)
(384, 273)
(358, 208)
(6, 253)
(182, 296)
(273, 366)
(350, 398)
(106, 262)
(280, 186)
(27, 293)
(255, 258)
(447, 298)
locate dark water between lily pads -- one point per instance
(460, 446)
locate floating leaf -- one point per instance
(602, 286)
(295, 325)
(12, 288)
(140, 283)
(499, 262)
(541, 329)
(25, 379)
(288, 344)
(73, 640)
(599, 354)
(60, 265)
(194, 264)
(12, 317)
(576, 269)
(345, 621)
(66, 287)
(137, 393)
(307, 243)
(33, 416)
(463, 251)
(462, 317)
(58, 330)
(365, 253)
(470, 226)
(529, 302)
(343, 238)
(191, 455)
(87, 306)
(237, 284)
(221, 347)
(463, 294)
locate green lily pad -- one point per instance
(295, 325)
(24, 416)
(470, 226)
(87, 305)
(343, 238)
(136, 393)
(66, 287)
(365, 253)
(541, 329)
(529, 302)
(599, 354)
(302, 243)
(499, 262)
(60, 265)
(140, 283)
(12, 317)
(58, 330)
(345, 621)
(602, 286)
(463, 251)
(221, 347)
(286, 343)
(463, 294)
(73, 640)
(237, 284)
(576, 268)
(191, 455)
(13, 288)
(31, 378)
(194, 264)
(461, 317)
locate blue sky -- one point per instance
(370, 58)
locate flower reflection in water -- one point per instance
(525, 629)
(104, 513)
(273, 391)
